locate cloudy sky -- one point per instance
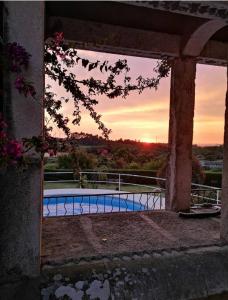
(145, 117)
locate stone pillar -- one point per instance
(21, 190)
(224, 219)
(182, 100)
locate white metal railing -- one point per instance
(200, 192)
(206, 193)
(70, 205)
(120, 180)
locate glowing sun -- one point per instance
(147, 140)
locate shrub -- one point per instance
(213, 178)
(133, 165)
(198, 175)
(78, 160)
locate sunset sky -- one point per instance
(145, 117)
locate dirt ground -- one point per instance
(66, 238)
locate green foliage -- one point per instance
(154, 164)
(127, 156)
(48, 176)
(52, 166)
(213, 178)
(198, 175)
(208, 152)
(134, 165)
(77, 160)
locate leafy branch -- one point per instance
(60, 57)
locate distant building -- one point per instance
(214, 164)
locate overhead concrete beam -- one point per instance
(196, 41)
(202, 9)
(214, 53)
(114, 38)
(129, 41)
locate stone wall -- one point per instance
(194, 273)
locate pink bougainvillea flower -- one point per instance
(19, 84)
(104, 152)
(2, 123)
(2, 135)
(51, 152)
(29, 91)
(24, 87)
(14, 149)
(58, 38)
(61, 55)
(3, 151)
(10, 150)
(17, 56)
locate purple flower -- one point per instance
(14, 149)
(2, 135)
(58, 38)
(17, 56)
(3, 124)
(11, 151)
(19, 84)
(24, 87)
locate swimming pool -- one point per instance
(84, 204)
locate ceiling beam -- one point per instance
(129, 41)
(203, 9)
(197, 40)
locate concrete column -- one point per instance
(224, 219)
(21, 190)
(182, 100)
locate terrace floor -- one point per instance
(66, 238)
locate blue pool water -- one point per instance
(74, 205)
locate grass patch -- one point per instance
(53, 166)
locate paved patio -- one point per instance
(66, 238)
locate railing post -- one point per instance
(217, 197)
(80, 180)
(119, 182)
(160, 199)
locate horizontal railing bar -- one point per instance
(205, 190)
(136, 184)
(53, 173)
(204, 197)
(106, 182)
(59, 181)
(95, 195)
(116, 182)
(131, 175)
(206, 186)
(122, 174)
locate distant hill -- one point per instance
(152, 150)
